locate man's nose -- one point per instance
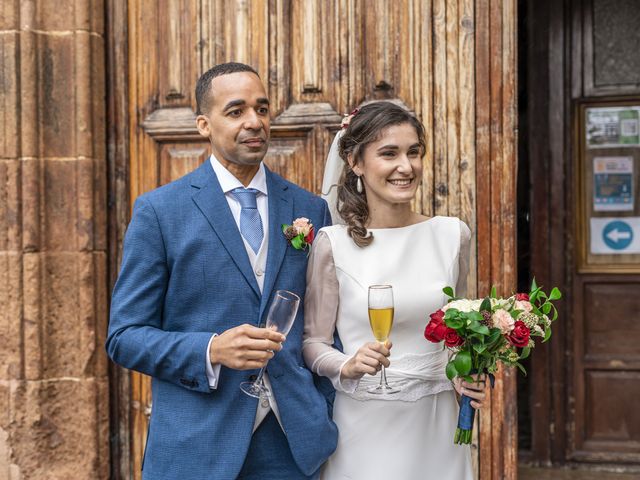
(253, 121)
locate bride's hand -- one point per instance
(474, 390)
(367, 360)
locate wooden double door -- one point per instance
(582, 55)
(318, 60)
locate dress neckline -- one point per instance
(403, 228)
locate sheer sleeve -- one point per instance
(320, 314)
(463, 260)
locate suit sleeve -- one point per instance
(135, 338)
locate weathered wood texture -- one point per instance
(496, 138)
(452, 62)
(53, 262)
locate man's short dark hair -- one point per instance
(203, 87)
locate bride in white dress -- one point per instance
(407, 435)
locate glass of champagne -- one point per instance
(280, 318)
(381, 321)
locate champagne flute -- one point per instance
(280, 318)
(381, 321)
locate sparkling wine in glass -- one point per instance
(381, 321)
(280, 318)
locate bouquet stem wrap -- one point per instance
(466, 417)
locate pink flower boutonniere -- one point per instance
(300, 235)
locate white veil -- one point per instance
(332, 172)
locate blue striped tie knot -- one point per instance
(250, 221)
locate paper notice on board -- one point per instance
(613, 184)
(608, 127)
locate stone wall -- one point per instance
(53, 280)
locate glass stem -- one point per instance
(383, 378)
(259, 380)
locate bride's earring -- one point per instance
(359, 185)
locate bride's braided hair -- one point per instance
(365, 127)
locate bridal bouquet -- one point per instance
(482, 333)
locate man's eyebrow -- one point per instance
(233, 103)
(237, 103)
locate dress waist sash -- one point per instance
(415, 374)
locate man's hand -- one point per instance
(475, 390)
(245, 347)
(367, 360)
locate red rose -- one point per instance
(523, 297)
(435, 329)
(452, 339)
(310, 236)
(519, 336)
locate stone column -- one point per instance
(53, 294)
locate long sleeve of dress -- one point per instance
(463, 260)
(320, 314)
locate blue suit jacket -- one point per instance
(185, 273)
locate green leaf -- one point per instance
(479, 328)
(454, 323)
(297, 242)
(451, 313)
(534, 285)
(515, 313)
(525, 353)
(478, 347)
(485, 306)
(555, 294)
(547, 334)
(468, 378)
(451, 371)
(475, 316)
(462, 362)
(493, 292)
(533, 296)
(546, 308)
(448, 291)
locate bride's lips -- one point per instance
(401, 182)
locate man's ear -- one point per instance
(202, 124)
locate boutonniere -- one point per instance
(300, 234)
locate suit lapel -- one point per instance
(211, 201)
(280, 211)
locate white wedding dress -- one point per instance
(408, 435)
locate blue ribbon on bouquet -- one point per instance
(467, 412)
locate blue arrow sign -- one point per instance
(617, 235)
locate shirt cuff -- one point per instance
(348, 385)
(213, 371)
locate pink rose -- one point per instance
(503, 320)
(302, 225)
(523, 305)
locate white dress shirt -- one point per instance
(229, 182)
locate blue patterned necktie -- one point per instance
(250, 221)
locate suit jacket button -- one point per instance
(253, 378)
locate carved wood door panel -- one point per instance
(318, 60)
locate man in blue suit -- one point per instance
(202, 258)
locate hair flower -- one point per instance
(347, 118)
